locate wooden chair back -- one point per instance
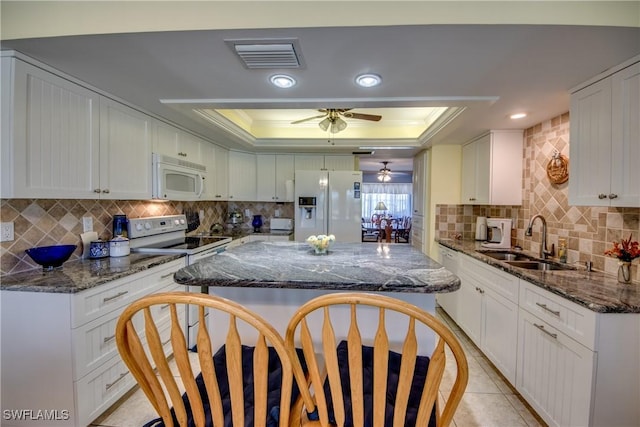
(141, 346)
(325, 380)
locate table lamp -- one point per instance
(381, 207)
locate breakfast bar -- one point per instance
(346, 267)
(275, 278)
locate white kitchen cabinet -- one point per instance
(556, 373)
(419, 185)
(449, 300)
(61, 140)
(321, 162)
(173, 142)
(576, 366)
(68, 340)
(221, 168)
(486, 308)
(207, 154)
(50, 135)
(275, 174)
(242, 176)
(125, 152)
(492, 169)
(604, 148)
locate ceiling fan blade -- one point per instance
(307, 119)
(370, 117)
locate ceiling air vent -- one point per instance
(262, 54)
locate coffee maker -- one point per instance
(498, 233)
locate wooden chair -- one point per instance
(220, 393)
(357, 383)
(404, 232)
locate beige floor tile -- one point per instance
(487, 410)
(132, 412)
(531, 419)
(479, 380)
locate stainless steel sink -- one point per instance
(538, 265)
(506, 256)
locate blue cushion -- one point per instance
(419, 378)
(273, 393)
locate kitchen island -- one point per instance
(274, 278)
(346, 267)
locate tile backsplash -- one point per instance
(588, 231)
(42, 222)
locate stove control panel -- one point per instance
(154, 225)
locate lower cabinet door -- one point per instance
(555, 373)
(469, 310)
(500, 332)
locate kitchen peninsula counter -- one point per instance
(347, 267)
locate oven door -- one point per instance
(175, 179)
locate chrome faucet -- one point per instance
(544, 252)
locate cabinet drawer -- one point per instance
(577, 322)
(97, 302)
(491, 277)
(99, 390)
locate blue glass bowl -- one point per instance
(50, 257)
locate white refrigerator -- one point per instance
(328, 202)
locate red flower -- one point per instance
(626, 250)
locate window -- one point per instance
(396, 197)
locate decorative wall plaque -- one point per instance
(558, 168)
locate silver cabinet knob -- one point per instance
(106, 190)
(602, 196)
(613, 196)
(97, 190)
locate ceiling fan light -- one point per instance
(368, 80)
(282, 81)
(324, 124)
(338, 125)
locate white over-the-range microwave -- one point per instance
(177, 179)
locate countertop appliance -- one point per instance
(167, 235)
(281, 225)
(481, 228)
(498, 233)
(328, 202)
(176, 179)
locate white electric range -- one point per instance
(167, 235)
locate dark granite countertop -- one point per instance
(348, 266)
(76, 276)
(594, 290)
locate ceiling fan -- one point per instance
(333, 118)
(384, 174)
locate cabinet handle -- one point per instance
(164, 307)
(480, 290)
(97, 190)
(602, 196)
(107, 339)
(118, 295)
(108, 386)
(166, 275)
(472, 199)
(541, 327)
(182, 154)
(613, 196)
(106, 190)
(544, 307)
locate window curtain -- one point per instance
(397, 198)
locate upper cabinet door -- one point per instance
(605, 141)
(221, 158)
(625, 137)
(51, 141)
(275, 173)
(242, 176)
(125, 152)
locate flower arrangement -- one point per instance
(321, 242)
(625, 251)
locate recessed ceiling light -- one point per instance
(282, 80)
(518, 116)
(368, 80)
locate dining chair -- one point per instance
(248, 381)
(358, 379)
